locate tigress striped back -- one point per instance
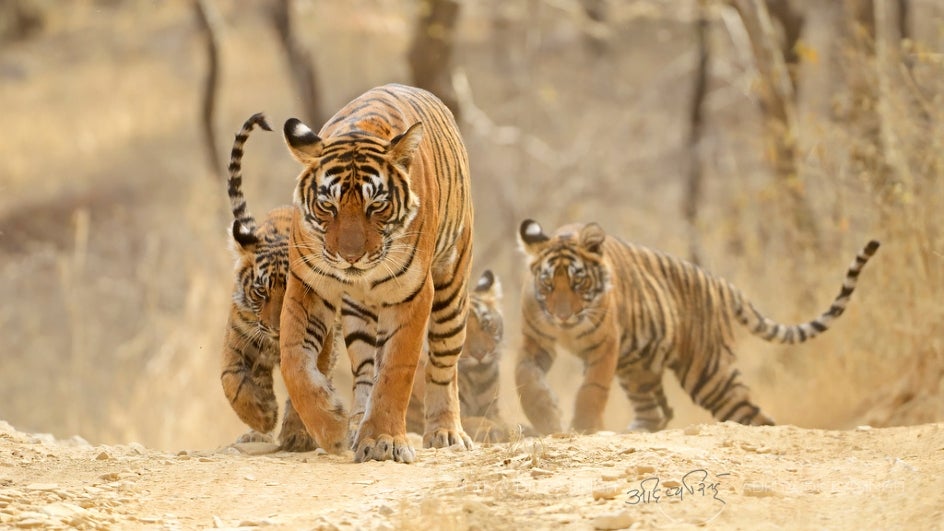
(382, 233)
(633, 312)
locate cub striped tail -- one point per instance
(770, 330)
(244, 225)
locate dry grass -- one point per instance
(113, 238)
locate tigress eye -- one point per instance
(326, 205)
(377, 207)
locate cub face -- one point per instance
(568, 269)
(261, 267)
(484, 328)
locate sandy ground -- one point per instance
(723, 476)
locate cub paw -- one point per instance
(644, 426)
(384, 448)
(294, 437)
(296, 442)
(443, 437)
(253, 436)
(484, 430)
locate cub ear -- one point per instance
(304, 144)
(243, 237)
(592, 237)
(403, 146)
(531, 236)
(489, 285)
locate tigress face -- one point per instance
(261, 267)
(354, 193)
(569, 274)
(484, 329)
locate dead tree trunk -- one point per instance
(777, 100)
(207, 19)
(299, 63)
(430, 54)
(696, 127)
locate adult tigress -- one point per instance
(632, 312)
(382, 231)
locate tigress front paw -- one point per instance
(384, 448)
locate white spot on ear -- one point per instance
(533, 229)
(301, 130)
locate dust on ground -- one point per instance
(724, 476)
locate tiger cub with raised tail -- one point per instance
(251, 343)
(382, 233)
(633, 312)
(478, 368)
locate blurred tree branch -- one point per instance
(19, 19)
(299, 62)
(430, 53)
(875, 29)
(207, 18)
(696, 127)
(776, 87)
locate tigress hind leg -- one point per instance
(358, 327)
(446, 338)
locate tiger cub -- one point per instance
(633, 312)
(251, 344)
(382, 233)
(478, 368)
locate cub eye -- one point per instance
(259, 292)
(579, 278)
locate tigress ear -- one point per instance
(243, 237)
(531, 236)
(489, 285)
(592, 237)
(403, 146)
(304, 144)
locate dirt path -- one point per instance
(719, 476)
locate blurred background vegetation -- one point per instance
(766, 140)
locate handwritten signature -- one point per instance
(693, 484)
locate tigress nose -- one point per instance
(352, 243)
(351, 255)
